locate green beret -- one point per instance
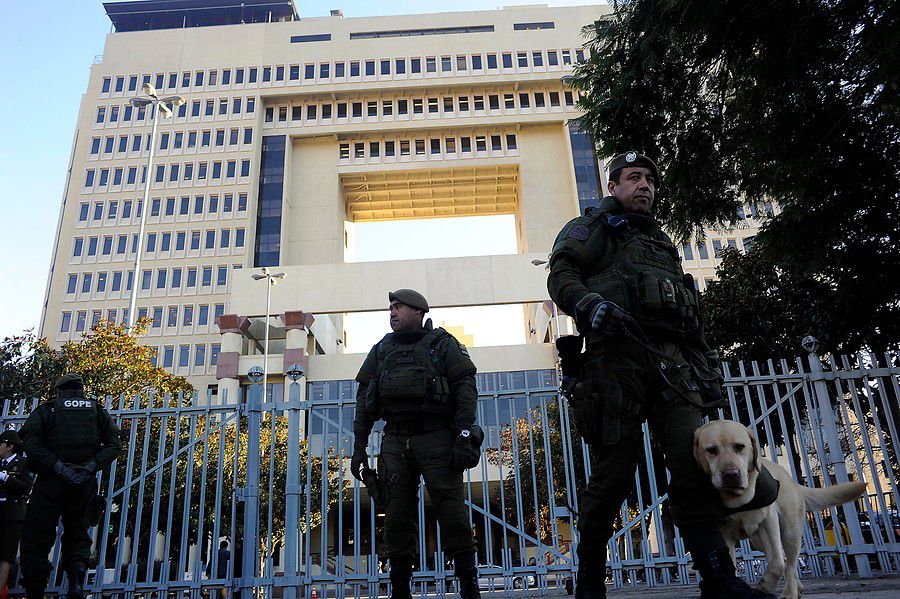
(411, 298)
(71, 380)
(632, 158)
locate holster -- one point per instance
(93, 513)
(376, 488)
(706, 371)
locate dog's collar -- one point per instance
(766, 493)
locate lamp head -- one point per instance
(295, 372)
(255, 375)
(149, 90)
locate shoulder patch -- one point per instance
(579, 232)
(462, 349)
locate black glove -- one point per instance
(465, 452)
(608, 317)
(71, 474)
(359, 461)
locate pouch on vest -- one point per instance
(404, 379)
(707, 372)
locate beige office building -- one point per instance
(292, 128)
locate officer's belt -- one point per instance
(416, 427)
(767, 488)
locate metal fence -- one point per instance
(269, 477)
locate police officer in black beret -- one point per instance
(645, 359)
(67, 441)
(421, 381)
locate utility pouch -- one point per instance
(597, 405)
(404, 381)
(373, 400)
(706, 369)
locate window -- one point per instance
(104, 87)
(324, 70)
(226, 77)
(357, 110)
(450, 144)
(491, 61)
(326, 112)
(214, 354)
(121, 244)
(92, 246)
(224, 238)
(569, 98)
(203, 315)
(161, 276)
(537, 58)
(239, 238)
(89, 178)
(463, 103)
(342, 110)
(494, 102)
(370, 68)
(687, 251)
(496, 145)
(465, 144)
(168, 356)
(279, 73)
(98, 211)
(524, 100)
(400, 66)
(372, 108)
(476, 62)
(251, 105)
(206, 277)
(95, 146)
(80, 321)
(566, 56)
(354, 68)
(218, 310)
(554, 98)
(478, 102)
(417, 106)
(83, 211)
(101, 282)
(387, 108)
(480, 143)
(404, 147)
(446, 64)
(217, 170)
(117, 281)
(227, 202)
(101, 114)
(430, 64)
(402, 107)
(385, 67)
(462, 63)
(230, 167)
(154, 207)
(432, 105)
(339, 69)
(511, 141)
(107, 245)
(170, 206)
(165, 241)
(507, 60)
(78, 247)
(200, 354)
(448, 104)
(415, 65)
(717, 247)
(539, 100)
(72, 284)
(65, 322)
(86, 281)
(420, 147)
(222, 275)
(191, 277)
(210, 239)
(435, 146)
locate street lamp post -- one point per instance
(271, 279)
(160, 105)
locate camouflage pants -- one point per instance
(403, 460)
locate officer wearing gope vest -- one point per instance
(619, 275)
(421, 381)
(67, 441)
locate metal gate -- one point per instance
(269, 479)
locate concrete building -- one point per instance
(291, 129)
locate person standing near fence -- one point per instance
(15, 484)
(421, 381)
(67, 441)
(619, 275)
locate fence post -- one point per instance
(835, 458)
(292, 491)
(251, 494)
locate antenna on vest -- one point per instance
(428, 326)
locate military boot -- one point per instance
(467, 575)
(719, 580)
(34, 592)
(591, 582)
(401, 574)
(75, 575)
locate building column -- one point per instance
(296, 325)
(233, 329)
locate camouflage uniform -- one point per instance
(612, 255)
(423, 425)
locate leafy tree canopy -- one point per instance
(744, 102)
(109, 357)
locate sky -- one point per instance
(50, 46)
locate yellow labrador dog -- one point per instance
(729, 453)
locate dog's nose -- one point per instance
(731, 478)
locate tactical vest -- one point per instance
(642, 274)
(410, 380)
(74, 429)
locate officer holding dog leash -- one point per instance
(67, 441)
(421, 382)
(644, 358)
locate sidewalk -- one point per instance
(882, 587)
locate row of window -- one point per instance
(111, 146)
(348, 70)
(430, 148)
(98, 179)
(189, 278)
(116, 115)
(399, 108)
(198, 206)
(191, 317)
(702, 247)
(162, 242)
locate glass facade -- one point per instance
(587, 171)
(271, 190)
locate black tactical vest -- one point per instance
(74, 428)
(410, 379)
(640, 270)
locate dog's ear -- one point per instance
(699, 454)
(754, 464)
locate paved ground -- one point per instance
(883, 587)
